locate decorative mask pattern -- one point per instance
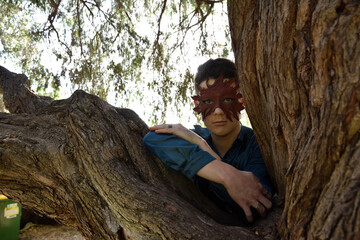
(223, 93)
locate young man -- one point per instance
(224, 159)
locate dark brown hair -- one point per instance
(213, 68)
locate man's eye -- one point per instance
(228, 100)
(208, 101)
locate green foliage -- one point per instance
(114, 49)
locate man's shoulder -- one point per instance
(246, 130)
(247, 135)
(201, 131)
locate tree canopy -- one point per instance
(114, 49)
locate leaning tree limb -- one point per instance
(17, 95)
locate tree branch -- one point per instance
(17, 96)
(156, 42)
(81, 161)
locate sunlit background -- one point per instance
(118, 52)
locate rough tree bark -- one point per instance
(299, 63)
(81, 162)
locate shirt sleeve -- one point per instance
(256, 164)
(177, 153)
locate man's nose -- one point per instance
(218, 110)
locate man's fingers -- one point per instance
(266, 193)
(269, 196)
(162, 128)
(260, 209)
(156, 127)
(248, 214)
(265, 201)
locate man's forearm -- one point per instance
(243, 187)
(217, 171)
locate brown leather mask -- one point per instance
(224, 94)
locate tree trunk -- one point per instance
(81, 162)
(299, 65)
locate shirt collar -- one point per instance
(241, 135)
(205, 133)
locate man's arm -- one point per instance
(243, 187)
(177, 153)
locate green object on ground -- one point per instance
(10, 215)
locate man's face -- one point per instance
(219, 93)
(219, 125)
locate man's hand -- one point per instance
(186, 134)
(180, 131)
(247, 191)
(243, 187)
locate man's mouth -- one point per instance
(219, 123)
